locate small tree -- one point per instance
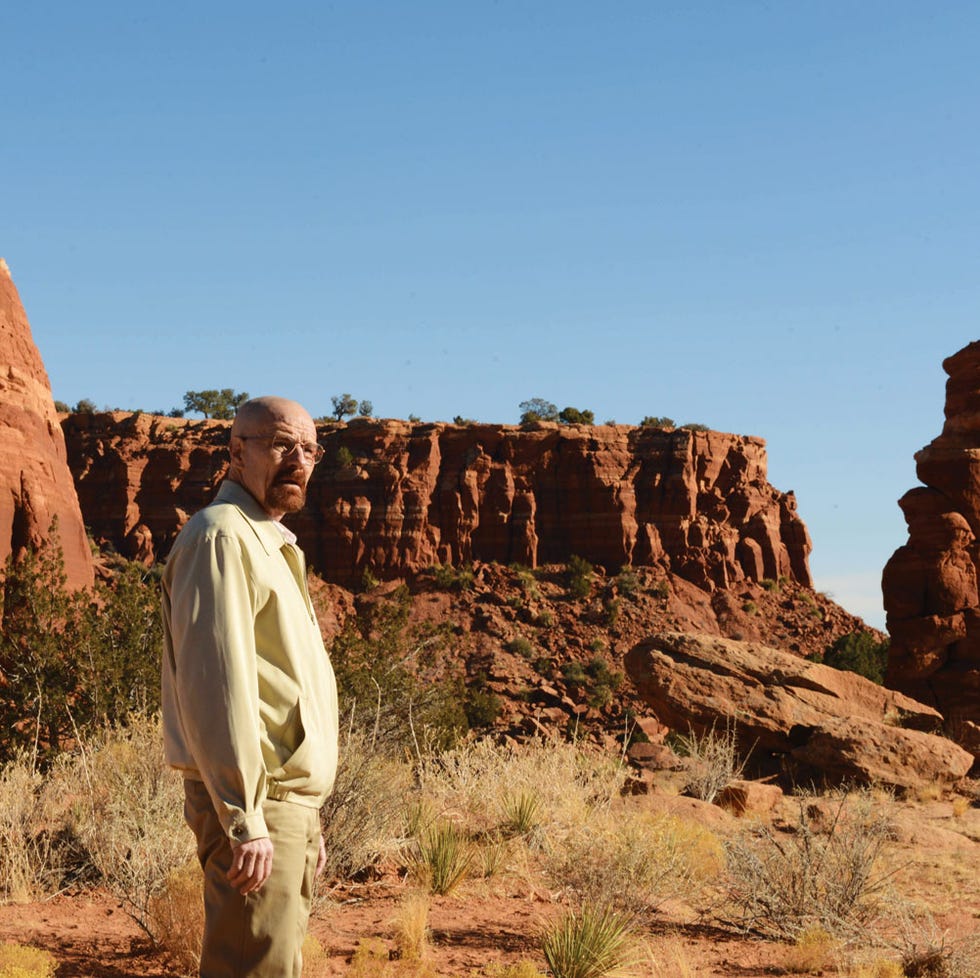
(343, 405)
(220, 404)
(572, 415)
(365, 409)
(537, 409)
(654, 421)
(859, 652)
(85, 406)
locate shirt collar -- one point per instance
(271, 533)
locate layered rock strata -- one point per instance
(929, 585)
(36, 487)
(395, 498)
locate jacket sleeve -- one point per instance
(211, 621)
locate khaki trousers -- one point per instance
(259, 935)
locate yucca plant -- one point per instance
(442, 857)
(521, 813)
(592, 942)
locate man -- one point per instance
(249, 698)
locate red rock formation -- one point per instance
(395, 497)
(824, 723)
(35, 483)
(930, 584)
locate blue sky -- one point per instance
(759, 216)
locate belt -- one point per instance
(277, 792)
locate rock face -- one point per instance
(822, 723)
(930, 584)
(396, 498)
(35, 483)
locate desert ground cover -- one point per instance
(495, 859)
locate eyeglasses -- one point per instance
(283, 447)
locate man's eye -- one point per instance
(310, 448)
(282, 446)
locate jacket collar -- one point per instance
(263, 525)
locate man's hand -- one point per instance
(321, 859)
(251, 865)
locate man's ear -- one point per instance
(235, 449)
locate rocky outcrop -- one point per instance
(930, 584)
(395, 498)
(821, 723)
(36, 485)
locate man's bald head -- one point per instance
(277, 481)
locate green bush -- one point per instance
(859, 652)
(653, 421)
(221, 404)
(571, 415)
(71, 660)
(580, 575)
(449, 578)
(520, 646)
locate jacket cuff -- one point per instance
(245, 828)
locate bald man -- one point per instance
(249, 698)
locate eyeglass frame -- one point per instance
(312, 451)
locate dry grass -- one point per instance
(716, 760)
(24, 961)
(668, 958)
(812, 953)
(411, 927)
(176, 917)
(633, 860)
(27, 867)
(441, 858)
(478, 782)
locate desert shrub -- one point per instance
(694, 426)
(481, 706)
(544, 619)
(633, 861)
(73, 660)
(589, 943)
(661, 589)
(363, 819)
(521, 813)
(449, 578)
(344, 457)
(222, 404)
(130, 815)
(25, 961)
(859, 652)
(579, 575)
(392, 678)
(520, 646)
(784, 883)
(655, 421)
(176, 913)
(628, 582)
(527, 581)
(930, 951)
(716, 760)
(441, 857)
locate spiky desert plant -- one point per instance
(716, 760)
(592, 942)
(442, 857)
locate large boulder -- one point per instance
(36, 487)
(821, 722)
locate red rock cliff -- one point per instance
(35, 482)
(397, 497)
(930, 584)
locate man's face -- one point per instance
(278, 482)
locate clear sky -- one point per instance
(761, 216)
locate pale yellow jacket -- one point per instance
(249, 697)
